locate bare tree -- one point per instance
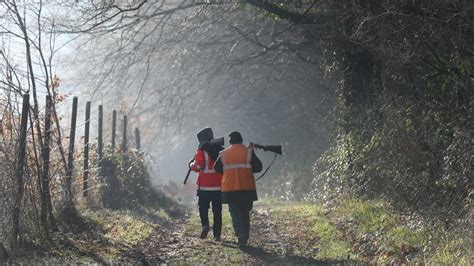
(29, 71)
(174, 70)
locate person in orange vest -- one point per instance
(238, 163)
(208, 183)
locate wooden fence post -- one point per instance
(114, 128)
(137, 138)
(20, 165)
(124, 135)
(70, 156)
(100, 139)
(85, 185)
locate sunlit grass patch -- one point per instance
(301, 210)
(456, 251)
(401, 238)
(128, 230)
(311, 233)
(331, 244)
(367, 217)
(391, 236)
(122, 226)
(110, 234)
(376, 231)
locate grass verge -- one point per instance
(369, 231)
(380, 235)
(310, 233)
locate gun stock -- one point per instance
(189, 171)
(218, 141)
(187, 176)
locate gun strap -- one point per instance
(268, 168)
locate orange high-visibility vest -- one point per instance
(237, 168)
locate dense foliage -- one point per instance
(127, 182)
(405, 102)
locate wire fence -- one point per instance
(87, 175)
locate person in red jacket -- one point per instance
(208, 183)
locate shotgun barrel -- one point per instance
(272, 148)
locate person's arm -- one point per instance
(256, 163)
(199, 162)
(218, 165)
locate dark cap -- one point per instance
(235, 137)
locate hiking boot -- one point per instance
(243, 246)
(242, 242)
(204, 232)
(217, 239)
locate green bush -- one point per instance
(127, 182)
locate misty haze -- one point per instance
(254, 132)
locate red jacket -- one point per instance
(208, 178)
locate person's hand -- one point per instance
(190, 162)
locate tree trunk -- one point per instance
(19, 169)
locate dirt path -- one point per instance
(181, 244)
(165, 245)
(281, 235)
(268, 245)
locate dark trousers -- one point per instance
(205, 198)
(240, 214)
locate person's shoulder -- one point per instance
(225, 149)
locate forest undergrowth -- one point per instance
(107, 227)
